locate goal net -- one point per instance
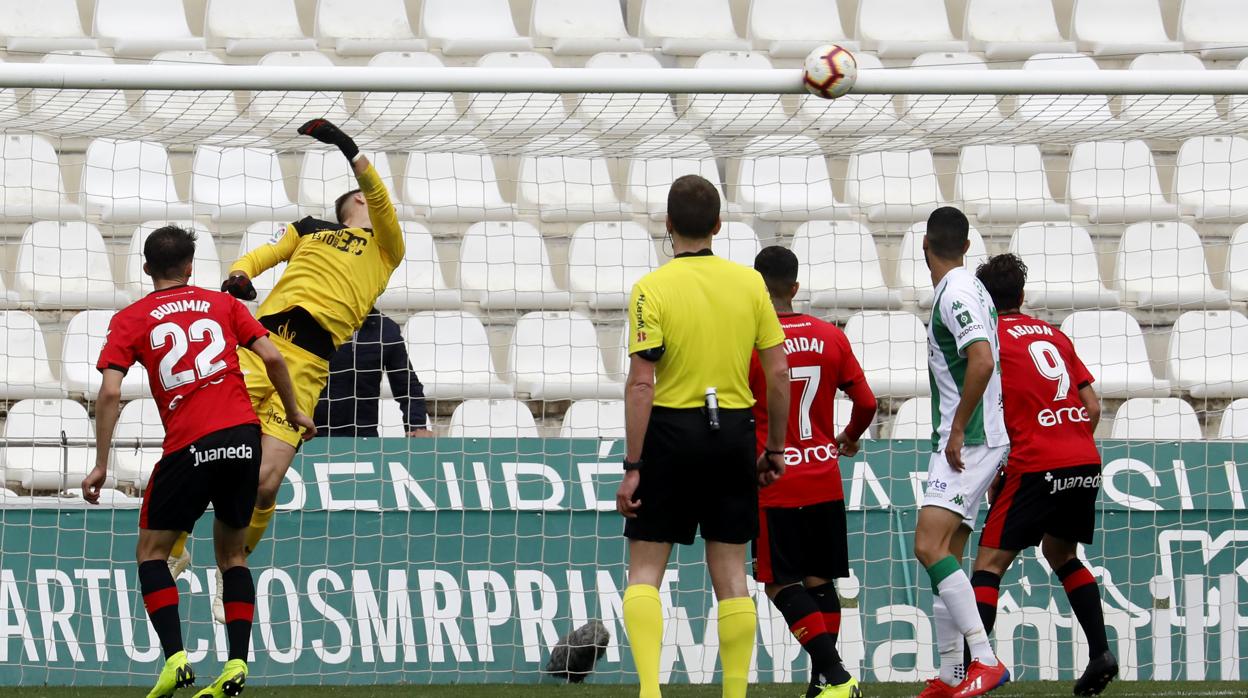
(464, 555)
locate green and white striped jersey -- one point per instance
(963, 314)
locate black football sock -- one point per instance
(1085, 600)
(829, 604)
(987, 587)
(160, 598)
(239, 595)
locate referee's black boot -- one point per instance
(1101, 670)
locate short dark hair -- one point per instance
(341, 203)
(168, 250)
(778, 266)
(947, 232)
(1004, 276)
(693, 206)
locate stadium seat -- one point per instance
(1156, 419)
(1063, 271)
(1237, 264)
(1162, 265)
(650, 177)
(794, 28)
(1235, 421)
(862, 115)
(212, 116)
(952, 114)
(133, 461)
(504, 265)
(73, 112)
(249, 28)
(8, 298)
(690, 28)
(492, 419)
(471, 27)
(31, 176)
(1013, 29)
(792, 184)
(1173, 116)
(893, 186)
(842, 408)
(144, 27)
(239, 184)
(1216, 28)
(450, 351)
(130, 181)
(593, 419)
(1206, 356)
(622, 115)
(606, 259)
(573, 187)
(206, 271)
(1111, 345)
(1115, 27)
(65, 265)
(519, 113)
(725, 114)
(892, 348)
(324, 175)
(1211, 178)
(47, 467)
(80, 349)
(913, 420)
(914, 277)
(555, 356)
(905, 28)
(24, 368)
(1005, 183)
(1067, 118)
(736, 242)
(54, 26)
(418, 283)
(458, 186)
(282, 112)
(581, 27)
(840, 266)
(365, 27)
(1116, 181)
(257, 234)
(390, 420)
(405, 114)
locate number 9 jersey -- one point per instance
(187, 339)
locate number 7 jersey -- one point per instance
(186, 338)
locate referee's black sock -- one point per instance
(239, 595)
(160, 598)
(1085, 601)
(806, 623)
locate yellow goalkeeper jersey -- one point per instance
(333, 272)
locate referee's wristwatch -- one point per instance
(632, 465)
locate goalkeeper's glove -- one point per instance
(239, 286)
(326, 132)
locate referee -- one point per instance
(689, 432)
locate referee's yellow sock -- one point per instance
(179, 545)
(643, 619)
(259, 524)
(738, 620)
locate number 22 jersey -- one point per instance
(186, 338)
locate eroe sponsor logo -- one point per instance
(818, 453)
(1050, 417)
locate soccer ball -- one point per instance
(830, 71)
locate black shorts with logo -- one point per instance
(798, 542)
(222, 468)
(1060, 502)
(692, 477)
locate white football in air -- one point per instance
(830, 71)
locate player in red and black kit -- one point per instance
(802, 544)
(186, 337)
(1047, 493)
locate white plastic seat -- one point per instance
(914, 277)
(390, 420)
(893, 186)
(450, 351)
(1115, 27)
(24, 368)
(80, 349)
(492, 419)
(555, 356)
(249, 28)
(51, 25)
(581, 27)
(1211, 178)
(905, 28)
(1013, 29)
(1156, 419)
(1235, 421)
(257, 234)
(1005, 183)
(1216, 28)
(1173, 116)
(74, 112)
(418, 282)
(792, 185)
(840, 266)
(1111, 345)
(650, 177)
(139, 422)
(1062, 267)
(130, 181)
(206, 270)
(409, 113)
(794, 28)
(365, 27)
(842, 408)
(1067, 117)
(736, 242)
(504, 265)
(593, 419)
(892, 347)
(325, 175)
(736, 114)
(690, 27)
(65, 265)
(212, 116)
(952, 114)
(1162, 265)
(1208, 354)
(606, 259)
(519, 113)
(471, 27)
(1237, 264)
(913, 420)
(865, 115)
(31, 176)
(239, 184)
(283, 112)
(144, 27)
(51, 467)
(568, 188)
(621, 114)
(1116, 181)
(456, 186)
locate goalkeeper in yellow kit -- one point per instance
(334, 274)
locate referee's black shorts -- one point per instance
(692, 477)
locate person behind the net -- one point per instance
(689, 457)
(969, 444)
(802, 545)
(186, 338)
(334, 274)
(1047, 494)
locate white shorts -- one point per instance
(964, 491)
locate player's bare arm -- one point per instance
(776, 370)
(979, 368)
(107, 410)
(275, 365)
(638, 401)
(1092, 404)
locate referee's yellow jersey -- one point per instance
(709, 315)
(334, 272)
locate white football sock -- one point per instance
(948, 643)
(959, 598)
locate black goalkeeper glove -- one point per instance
(240, 287)
(326, 132)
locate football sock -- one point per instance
(953, 587)
(239, 595)
(829, 602)
(1085, 599)
(160, 598)
(259, 524)
(179, 545)
(643, 620)
(806, 622)
(987, 587)
(738, 622)
(948, 644)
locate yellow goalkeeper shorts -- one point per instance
(308, 373)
